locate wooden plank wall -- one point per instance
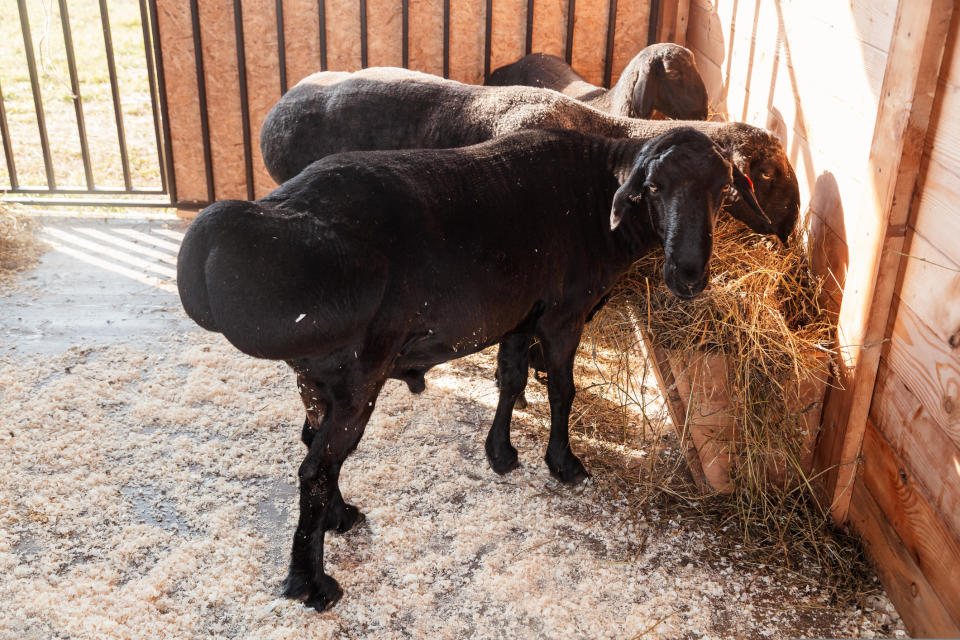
(812, 72)
(313, 33)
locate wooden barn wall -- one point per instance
(819, 74)
(287, 40)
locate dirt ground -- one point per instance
(148, 490)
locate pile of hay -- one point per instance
(19, 247)
(762, 307)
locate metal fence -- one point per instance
(206, 128)
(106, 181)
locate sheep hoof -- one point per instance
(505, 462)
(325, 594)
(570, 471)
(296, 585)
(521, 402)
(320, 596)
(344, 517)
(350, 519)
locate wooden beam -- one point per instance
(681, 22)
(906, 100)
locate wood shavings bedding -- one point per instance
(151, 493)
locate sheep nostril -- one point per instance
(689, 275)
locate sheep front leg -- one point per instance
(559, 351)
(321, 505)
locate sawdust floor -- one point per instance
(148, 490)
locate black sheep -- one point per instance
(379, 265)
(389, 108)
(662, 77)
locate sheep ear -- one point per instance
(622, 202)
(745, 187)
(646, 90)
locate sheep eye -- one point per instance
(766, 174)
(652, 187)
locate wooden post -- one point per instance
(906, 100)
(674, 16)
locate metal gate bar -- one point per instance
(159, 94)
(115, 94)
(322, 9)
(405, 35)
(7, 145)
(37, 99)
(75, 90)
(282, 47)
(363, 33)
(568, 46)
(611, 35)
(202, 97)
(244, 103)
(152, 81)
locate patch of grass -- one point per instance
(94, 82)
(19, 247)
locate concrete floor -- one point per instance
(104, 281)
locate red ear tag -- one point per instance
(749, 181)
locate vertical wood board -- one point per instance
(917, 602)
(934, 548)
(179, 63)
(927, 452)
(633, 21)
(509, 32)
(384, 33)
(467, 25)
(426, 36)
(550, 27)
(301, 36)
(223, 99)
(590, 39)
(343, 35)
(263, 89)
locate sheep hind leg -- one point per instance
(512, 377)
(321, 504)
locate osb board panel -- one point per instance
(590, 39)
(916, 437)
(467, 25)
(425, 39)
(927, 539)
(916, 601)
(263, 86)
(509, 32)
(223, 100)
(343, 34)
(301, 37)
(630, 37)
(179, 64)
(384, 33)
(550, 27)
(929, 366)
